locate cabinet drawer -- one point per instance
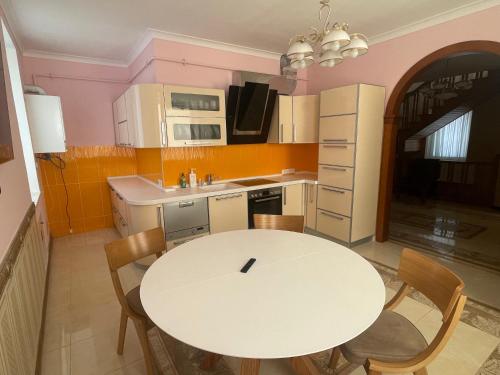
(335, 200)
(337, 129)
(340, 177)
(339, 101)
(336, 155)
(333, 225)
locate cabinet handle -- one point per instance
(281, 133)
(163, 133)
(333, 190)
(334, 146)
(335, 169)
(331, 215)
(335, 140)
(176, 243)
(228, 197)
(158, 215)
(284, 195)
(266, 199)
(311, 189)
(186, 204)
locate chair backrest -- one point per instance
(291, 223)
(432, 279)
(127, 250)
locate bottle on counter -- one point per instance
(182, 181)
(192, 178)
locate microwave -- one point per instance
(195, 131)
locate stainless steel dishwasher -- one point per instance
(185, 220)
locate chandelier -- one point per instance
(333, 42)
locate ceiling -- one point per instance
(113, 29)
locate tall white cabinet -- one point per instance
(350, 137)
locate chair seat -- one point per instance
(392, 338)
(134, 301)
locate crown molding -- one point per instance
(202, 42)
(434, 20)
(11, 23)
(73, 58)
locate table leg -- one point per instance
(250, 366)
(304, 366)
(210, 360)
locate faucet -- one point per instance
(209, 179)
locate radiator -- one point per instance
(21, 300)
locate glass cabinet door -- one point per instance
(189, 101)
(186, 131)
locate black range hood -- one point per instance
(249, 110)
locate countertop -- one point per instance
(138, 191)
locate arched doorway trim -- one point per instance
(391, 119)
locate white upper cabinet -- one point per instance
(295, 120)
(154, 115)
(194, 102)
(305, 118)
(146, 115)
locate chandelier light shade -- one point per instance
(302, 63)
(299, 50)
(335, 39)
(330, 58)
(332, 42)
(357, 47)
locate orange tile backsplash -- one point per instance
(236, 161)
(88, 167)
(149, 163)
(85, 174)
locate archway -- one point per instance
(391, 124)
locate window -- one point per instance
(22, 119)
(451, 141)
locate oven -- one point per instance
(264, 201)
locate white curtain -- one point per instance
(451, 141)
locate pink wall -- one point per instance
(388, 61)
(85, 95)
(15, 197)
(207, 67)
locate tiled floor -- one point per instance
(83, 315)
(453, 230)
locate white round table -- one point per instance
(303, 295)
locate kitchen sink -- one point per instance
(217, 187)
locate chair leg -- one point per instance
(210, 360)
(334, 358)
(369, 371)
(422, 371)
(140, 327)
(123, 330)
(250, 366)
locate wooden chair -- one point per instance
(290, 223)
(120, 253)
(393, 344)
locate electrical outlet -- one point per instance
(288, 171)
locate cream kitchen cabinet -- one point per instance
(228, 212)
(132, 219)
(293, 199)
(121, 124)
(139, 116)
(350, 137)
(311, 196)
(295, 120)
